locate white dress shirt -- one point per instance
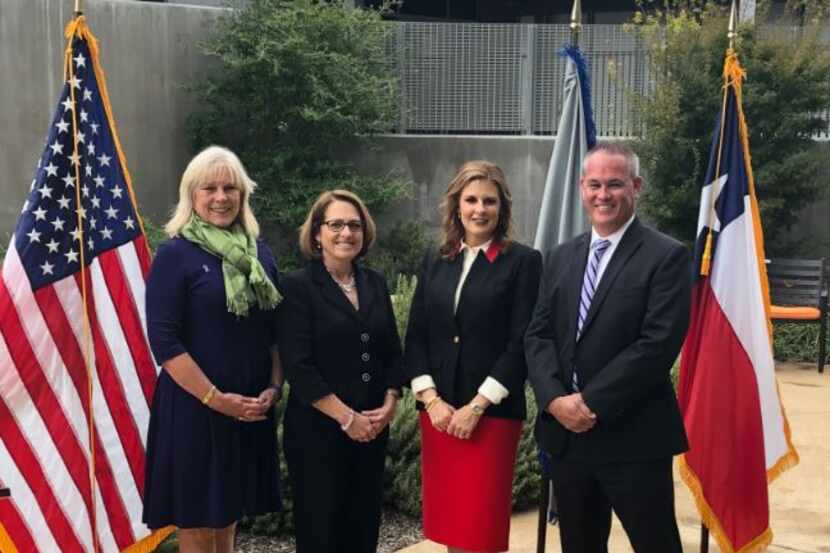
(614, 238)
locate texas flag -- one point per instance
(738, 432)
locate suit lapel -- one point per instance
(365, 292)
(576, 269)
(330, 291)
(629, 244)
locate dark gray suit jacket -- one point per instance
(630, 339)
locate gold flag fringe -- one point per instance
(733, 75)
(6, 543)
(149, 544)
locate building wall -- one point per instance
(149, 53)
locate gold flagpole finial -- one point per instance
(77, 8)
(576, 22)
(733, 24)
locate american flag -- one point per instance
(56, 350)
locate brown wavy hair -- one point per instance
(314, 220)
(452, 231)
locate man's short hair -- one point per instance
(616, 148)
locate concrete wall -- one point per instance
(149, 53)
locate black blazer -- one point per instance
(630, 339)
(484, 336)
(327, 346)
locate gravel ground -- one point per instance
(396, 532)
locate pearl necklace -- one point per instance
(348, 286)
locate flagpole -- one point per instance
(78, 11)
(576, 22)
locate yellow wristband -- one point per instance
(209, 395)
(428, 405)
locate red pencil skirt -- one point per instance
(467, 484)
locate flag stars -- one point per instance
(34, 236)
(57, 148)
(88, 170)
(106, 233)
(84, 116)
(67, 105)
(99, 181)
(81, 212)
(85, 191)
(96, 202)
(91, 244)
(63, 202)
(111, 212)
(45, 192)
(51, 170)
(80, 60)
(40, 214)
(68, 180)
(80, 137)
(75, 158)
(74, 82)
(47, 268)
(71, 256)
(58, 224)
(53, 246)
(62, 126)
(93, 222)
(94, 127)
(116, 191)
(76, 234)
(90, 148)
(87, 95)
(104, 159)
(129, 223)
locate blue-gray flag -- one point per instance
(561, 216)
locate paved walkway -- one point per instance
(800, 498)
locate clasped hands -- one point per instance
(459, 423)
(246, 408)
(367, 425)
(573, 413)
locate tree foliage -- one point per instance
(787, 86)
(298, 80)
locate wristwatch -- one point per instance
(478, 410)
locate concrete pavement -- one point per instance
(799, 499)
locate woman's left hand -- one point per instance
(268, 397)
(383, 415)
(463, 423)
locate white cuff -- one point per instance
(421, 383)
(491, 388)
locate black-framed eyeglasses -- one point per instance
(337, 225)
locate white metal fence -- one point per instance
(478, 78)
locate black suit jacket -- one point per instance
(630, 339)
(327, 346)
(484, 337)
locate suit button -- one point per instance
(366, 377)
(455, 339)
(365, 357)
(364, 337)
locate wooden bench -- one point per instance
(798, 292)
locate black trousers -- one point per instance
(337, 486)
(640, 493)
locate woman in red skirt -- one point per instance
(465, 357)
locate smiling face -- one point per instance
(346, 244)
(608, 191)
(478, 208)
(217, 200)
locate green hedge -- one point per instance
(797, 342)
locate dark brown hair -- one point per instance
(309, 246)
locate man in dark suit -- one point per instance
(612, 313)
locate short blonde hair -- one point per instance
(452, 231)
(309, 246)
(203, 167)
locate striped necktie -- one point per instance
(589, 287)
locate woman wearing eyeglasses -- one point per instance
(342, 358)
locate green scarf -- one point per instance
(245, 278)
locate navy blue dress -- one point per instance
(205, 469)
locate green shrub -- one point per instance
(797, 342)
(399, 252)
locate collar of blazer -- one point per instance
(630, 243)
(332, 293)
(491, 253)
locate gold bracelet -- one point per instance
(428, 405)
(209, 395)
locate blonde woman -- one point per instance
(211, 298)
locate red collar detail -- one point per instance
(494, 250)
